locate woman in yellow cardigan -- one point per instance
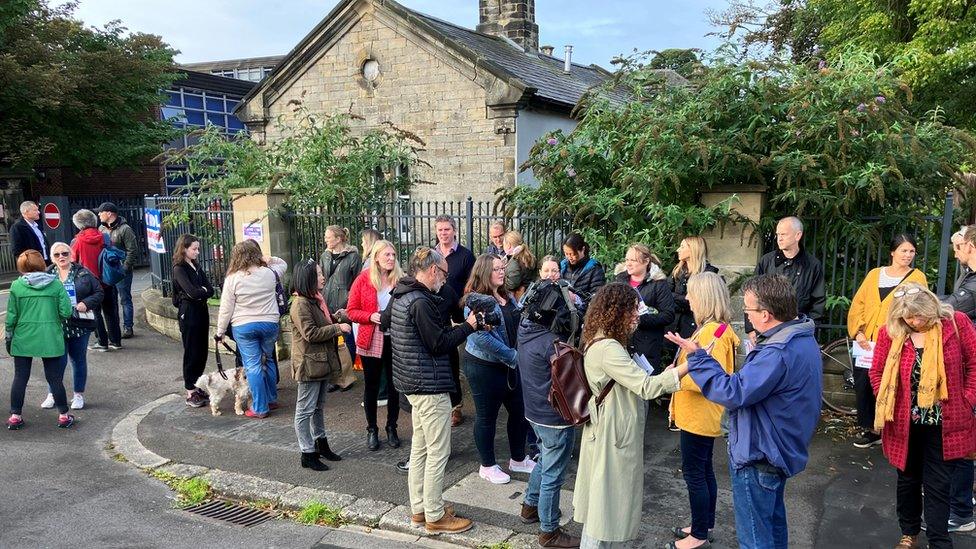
(869, 309)
(698, 419)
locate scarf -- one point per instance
(323, 306)
(932, 383)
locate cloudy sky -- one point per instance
(206, 30)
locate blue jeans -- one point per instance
(546, 480)
(77, 351)
(696, 466)
(256, 340)
(124, 287)
(760, 512)
(961, 491)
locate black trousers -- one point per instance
(865, 399)
(194, 320)
(373, 370)
(107, 318)
(456, 396)
(53, 373)
(925, 468)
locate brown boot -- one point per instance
(449, 524)
(456, 417)
(908, 542)
(529, 514)
(418, 519)
(558, 538)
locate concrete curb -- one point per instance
(359, 512)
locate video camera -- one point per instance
(549, 303)
(484, 308)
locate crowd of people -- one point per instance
(644, 335)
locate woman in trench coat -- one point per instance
(610, 480)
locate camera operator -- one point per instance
(422, 371)
(547, 317)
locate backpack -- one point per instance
(111, 262)
(570, 393)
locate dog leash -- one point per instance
(220, 363)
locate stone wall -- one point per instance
(423, 89)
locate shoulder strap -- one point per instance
(605, 392)
(107, 240)
(904, 278)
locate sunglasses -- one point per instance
(61, 254)
(903, 293)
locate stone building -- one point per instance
(478, 98)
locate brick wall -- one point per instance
(138, 181)
(422, 89)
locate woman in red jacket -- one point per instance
(924, 375)
(368, 297)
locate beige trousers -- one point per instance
(430, 449)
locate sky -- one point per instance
(210, 30)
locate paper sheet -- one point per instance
(862, 358)
(642, 362)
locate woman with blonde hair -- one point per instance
(692, 259)
(699, 419)
(610, 480)
(924, 376)
(369, 296)
(521, 267)
(248, 302)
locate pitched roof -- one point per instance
(210, 82)
(226, 64)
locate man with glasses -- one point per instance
(422, 371)
(773, 404)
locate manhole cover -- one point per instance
(232, 513)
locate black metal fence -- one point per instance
(213, 225)
(408, 224)
(132, 209)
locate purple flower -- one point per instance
(570, 172)
(855, 133)
(822, 65)
(552, 141)
(862, 107)
(880, 99)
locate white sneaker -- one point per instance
(48, 402)
(524, 466)
(381, 403)
(494, 474)
(77, 402)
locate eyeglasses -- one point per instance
(903, 293)
(61, 254)
(498, 270)
(441, 269)
(748, 310)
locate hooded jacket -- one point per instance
(85, 249)
(340, 269)
(648, 339)
(123, 237)
(37, 306)
(535, 348)
(773, 401)
(586, 278)
(420, 341)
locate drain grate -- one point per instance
(232, 513)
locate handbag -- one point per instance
(570, 393)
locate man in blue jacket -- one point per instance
(773, 404)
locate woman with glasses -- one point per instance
(491, 367)
(370, 294)
(868, 313)
(85, 292)
(924, 376)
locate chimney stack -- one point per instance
(568, 61)
(513, 19)
(547, 50)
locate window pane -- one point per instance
(173, 99)
(194, 118)
(193, 101)
(215, 105)
(173, 114)
(233, 123)
(217, 119)
(231, 105)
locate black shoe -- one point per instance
(391, 437)
(310, 460)
(403, 467)
(332, 388)
(867, 440)
(372, 438)
(127, 333)
(679, 533)
(322, 445)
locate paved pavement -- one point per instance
(63, 485)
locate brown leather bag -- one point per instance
(570, 393)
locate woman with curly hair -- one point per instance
(609, 482)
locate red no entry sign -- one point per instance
(52, 215)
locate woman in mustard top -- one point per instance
(698, 419)
(869, 309)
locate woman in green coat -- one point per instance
(37, 306)
(610, 479)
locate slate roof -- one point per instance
(210, 82)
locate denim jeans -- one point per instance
(310, 414)
(124, 287)
(961, 491)
(491, 388)
(77, 351)
(546, 480)
(696, 466)
(256, 340)
(760, 512)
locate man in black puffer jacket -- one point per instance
(422, 371)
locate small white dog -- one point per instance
(218, 388)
